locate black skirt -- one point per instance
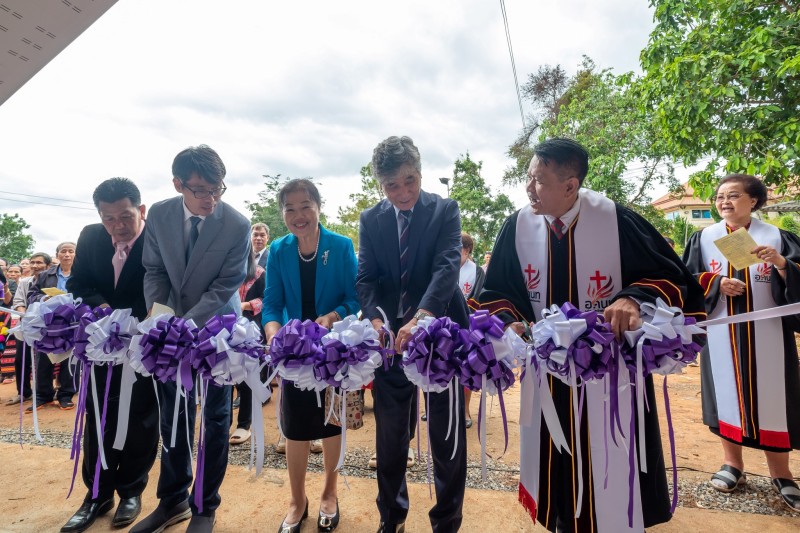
(301, 417)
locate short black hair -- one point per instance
(753, 186)
(299, 184)
(201, 160)
(566, 153)
(116, 189)
(43, 255)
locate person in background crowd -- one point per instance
(310, 276)
(570, 244)
(13, 273)
(259, 237)
(486, 258)
(25, 265)
(54, 277)
(195, 253)
(37, 263)
(408, 260)
(108, 272)
(3, 265)
(251, 293)
(670, 242)
(749, 372)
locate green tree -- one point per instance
(482, 213)
(370, 194)
(681, 231)
(601, 111)
(723, 80)
(15, 244)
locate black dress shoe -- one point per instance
(162, 518)
(127, 511)
(86, 514)
(328, 523)
(285, 528)
(387, 528)
(201, 524)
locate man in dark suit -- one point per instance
(259, 236)
(195, 252)
(108, 272)
(408, 260)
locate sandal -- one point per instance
(240, 436)
(789, 491)
(727, 479)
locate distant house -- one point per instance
(684, 205)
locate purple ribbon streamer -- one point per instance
(102, 421)
(671, 449)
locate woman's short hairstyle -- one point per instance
(393, 153)
(299, 184)
(753, 186)
(62, 244)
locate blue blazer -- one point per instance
(335, 284)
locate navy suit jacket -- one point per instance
(209, 283)
(335, 278)
(92, 277)
(434, 248)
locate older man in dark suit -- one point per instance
(195, 252)
(108, 272)
(408, 261)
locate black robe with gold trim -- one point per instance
(650, 270)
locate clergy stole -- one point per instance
(466, 277)
(735, 418)
(599, 277)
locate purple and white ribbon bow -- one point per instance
(351, 352)
(295, 349)
(663, 345)
(163, 350)
(229, 352)
(488, 356)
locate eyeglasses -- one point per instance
(200, 195)
(732, 197)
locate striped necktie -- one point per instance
(404, 217)
(558, 228)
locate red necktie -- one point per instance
(558, 228)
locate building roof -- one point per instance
(681, 200)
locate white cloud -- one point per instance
(304, 88)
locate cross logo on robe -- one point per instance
(716, 266)
(532, 277)
(598, 279)
(467, 287)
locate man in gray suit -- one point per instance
(195, 252)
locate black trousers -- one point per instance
(67, 383)
(128, 468)
(176, 463)
(244, 418)
(23, 375)
(393, 396)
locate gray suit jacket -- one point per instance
(208, 285)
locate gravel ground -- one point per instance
(757, 497)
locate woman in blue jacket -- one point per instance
(310, 275)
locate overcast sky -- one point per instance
(303, 88)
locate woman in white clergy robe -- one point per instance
(749, 371)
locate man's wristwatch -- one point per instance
(421, 314)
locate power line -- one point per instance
(43, 203)
(47, 197)
(513, 64)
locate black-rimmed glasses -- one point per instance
(202, 194)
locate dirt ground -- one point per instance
(35, 479)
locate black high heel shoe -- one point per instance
(286, 528)
(327, 523)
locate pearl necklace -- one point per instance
(310, 258)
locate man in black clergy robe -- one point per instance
(108, 271)
(650, 270)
